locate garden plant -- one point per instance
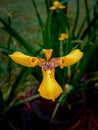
(58, 64)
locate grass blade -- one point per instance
(37, 14)
(16, 35)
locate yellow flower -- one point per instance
(49, 88)
(57, 5)
(63, 36)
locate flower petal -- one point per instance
(48, 53)
(52, 8)
(62, 7)
(57, 5)
(49, 88)
(63, 36)
(70, 59)
(24, 60)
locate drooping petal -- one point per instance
(49, 88)
(24, 60)
(70, 59)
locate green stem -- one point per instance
(11, 104)
(61, 99)
(54, 112)
(49, 29)
(84, 21)
(17, 36)
(76, 19)
(61, 48)
(47, 4)
(87, 14)
(27, 99)
(37, 14)
(86, 31)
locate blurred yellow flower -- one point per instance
(9, 14)
(49, 88)
(57, 5)
(63, 36)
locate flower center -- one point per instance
(48, 66)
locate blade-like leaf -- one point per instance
(16, 35)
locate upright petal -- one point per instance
(24, 60)
(48, 53)
(70, 59)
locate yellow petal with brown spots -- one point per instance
(24, 60)
(49, 88)
(70, 59)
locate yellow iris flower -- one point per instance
(49, 88)
(63, 36)
(57, 5)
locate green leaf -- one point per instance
(76, 19)
(88, 28)
(19, 80)
(34, 97)
(16, 35)
(37, 14)
(84, 63)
